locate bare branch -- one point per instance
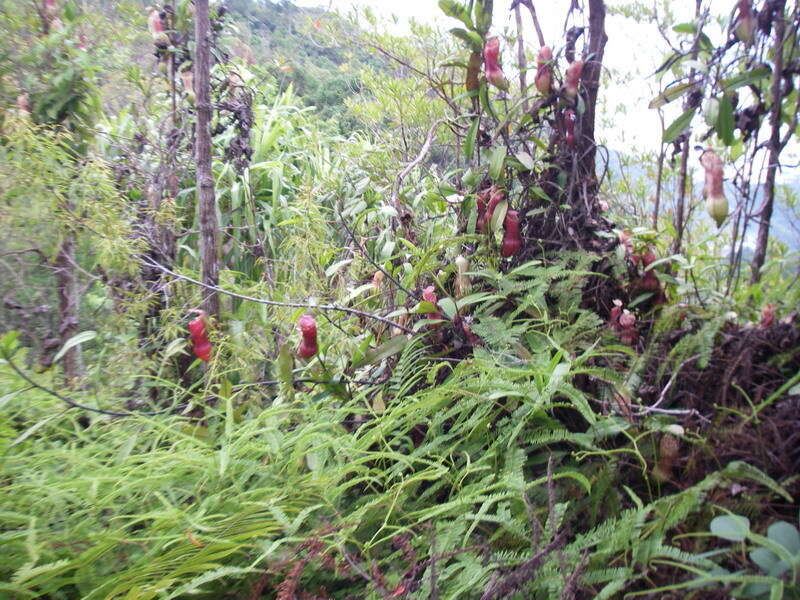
(72, 403)
(395, 199)
(529, 5)
(219, 290)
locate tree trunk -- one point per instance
(521, 62)
(68, 306)
(765, 214)
(591, 82)
(205, 179)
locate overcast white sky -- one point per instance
(633, 52)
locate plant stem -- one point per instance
(205, 180)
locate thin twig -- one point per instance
(551, 499)
(680, 412)
(521, 574)
(71, 402)
(568, 591)
(667, 387)
(532, 9)
(219, 290)
(25, 251)
(268, 382)
(536, 527)
(374, 263)
(434, 85)
(112, 413)
(410, 167)
(434, 593)
(365, 576)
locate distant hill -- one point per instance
(282, 37)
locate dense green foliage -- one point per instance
(509, 438)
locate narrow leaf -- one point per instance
(80, 338)
(746, 78)
(678, 126)
(670, 94)
(472, 134)
(472, 39)
(390, 348)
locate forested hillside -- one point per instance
(307, 305)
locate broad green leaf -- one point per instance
(526, 160)
(471, 177)
(539, 193)
(483, 94)
(456, 62)
(423, 306)
(357, 356)
(668, 62)
(730, 527)
(422, 323)
(705, 43)
(766, 560)
(448, 307)
(497, 157)
(776, 591)
(756, 590)
(711, 111)
(786, 535)
(478, 297)
(366, 287)
(337, 266)
(176, 346)
(743, 470)
(482, 10)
